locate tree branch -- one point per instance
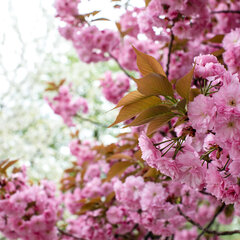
(212, 221)
(189, 219)
(226, 11)
(62, 232)
(216, 233)
(116, 60)
(224, 233)
(150, 235)
(206, 193)
(92, 121)
(169, 53)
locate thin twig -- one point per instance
(189, 219)
(212, 221)
(206, 193)
(62, 232)
(151, 236)
(216, 233)
(116, 60)
(92, 121)
(169, 53)
(226, 11)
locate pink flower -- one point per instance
(227, 127)
(114, 90)
(191, 171)
(200, 113)
(232, 39)
(214, 182)
(230, 57)
(208, 66)
(149, 153)
(129, 192)
(63, 105)
(153, 195)
(228, 98)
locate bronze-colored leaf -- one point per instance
(152, 172)
(134, 108)
(119, 156)
(138, 155)
(118, 169)
(154, 84)
(218, 52)
(6, 164)
(181, 105)
(183, 85)
(117, 6)
(158, 122)
(123, 33)
(100, 19)
(148, 64)
(216, 39)
(147, 2)
(90, 206)
(193, 93)
(125, 147)
(109, 197)
(130, 98)
(148, 115)
(91, 13)
(180, 121)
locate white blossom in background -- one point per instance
(32, 53)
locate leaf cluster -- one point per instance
(156, 100)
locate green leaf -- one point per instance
(154, 84)
(148, 64)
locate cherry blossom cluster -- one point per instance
(67, 9)
(93, 45)
(189, 173)
(141, 204)
(231, 44)
(209, 156)
(28, 212)
(189, 21)
(113, 90)
(175, 183)
(65, 106)
(82, 151)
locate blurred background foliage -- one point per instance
(33, 53)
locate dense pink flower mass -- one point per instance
(64, 106)
(231, 44)
(113, 90)
(175, 174)
(28, 212)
